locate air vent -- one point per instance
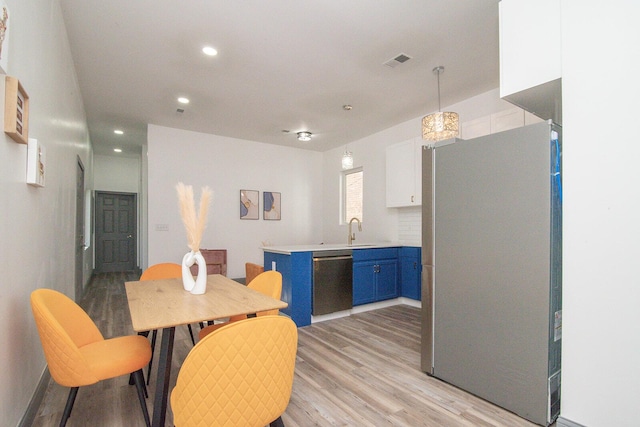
(400, 59)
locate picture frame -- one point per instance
(4, 36)
(249, 204)
(272, 206)
(16, 111)
(35, 163)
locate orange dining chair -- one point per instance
(164, 270)
(268, 283)
(251, 271)
(78, 354)
(239, 375)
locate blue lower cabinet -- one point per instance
(297, 282)
(364, 282)
(375, 275)
(387, 279)
(410, 273)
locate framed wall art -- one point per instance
(271, 205)
(16, 111)
(35, 163)
(4, 36)
(249, 204)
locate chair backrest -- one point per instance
(238, 375)
(216, 260)
(165, 270)
(63, 327)
(251, 271)
(268, 283)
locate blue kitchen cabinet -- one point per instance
(375, 275)
(410, 273)
(363, 282)
(297, 280)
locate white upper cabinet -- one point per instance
(404, 173)
(530, 56)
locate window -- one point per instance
(352, 191)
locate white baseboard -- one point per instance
(366, 307)
(563, 422)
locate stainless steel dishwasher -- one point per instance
(332, 281)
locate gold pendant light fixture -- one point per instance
(440, 125)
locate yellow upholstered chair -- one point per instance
(251, 271)
(164, 270)
(78, 354)
(239, 375)
(268, 283)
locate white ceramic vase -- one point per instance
(199, 285)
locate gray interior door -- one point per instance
(79, 241)
(115, 231)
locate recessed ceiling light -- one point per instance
(118, 132)
(118, 150)
(183, 100)
(208, 50)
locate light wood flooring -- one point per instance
(363, 370)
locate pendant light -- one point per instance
(440, 125)
(347, 157)
(347, 160)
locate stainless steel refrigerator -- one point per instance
(492, 267)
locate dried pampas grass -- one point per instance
(194, 225)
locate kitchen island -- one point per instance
(379, 273)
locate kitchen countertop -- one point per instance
(288, 249)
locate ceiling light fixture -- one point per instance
(183, 100)
(304, 136)
(440, 125)
(208, 50)
(118, 150)
(347, 157)
(118, 132)
(347, 160)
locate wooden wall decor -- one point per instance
(16, 111)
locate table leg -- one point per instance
(164, 373)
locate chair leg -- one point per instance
(277, 423)
(67, 408)
(138, 376)
(191, 333)
(154, 335)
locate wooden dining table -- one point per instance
(164, 304)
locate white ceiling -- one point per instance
(283, 65)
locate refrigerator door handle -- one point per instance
(427, 332)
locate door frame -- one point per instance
(79, 241)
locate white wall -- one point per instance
(227, 166)
(601, 315)
(116, 173)
(37, 225)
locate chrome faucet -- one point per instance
(352, 235)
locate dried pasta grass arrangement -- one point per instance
(194, 225)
